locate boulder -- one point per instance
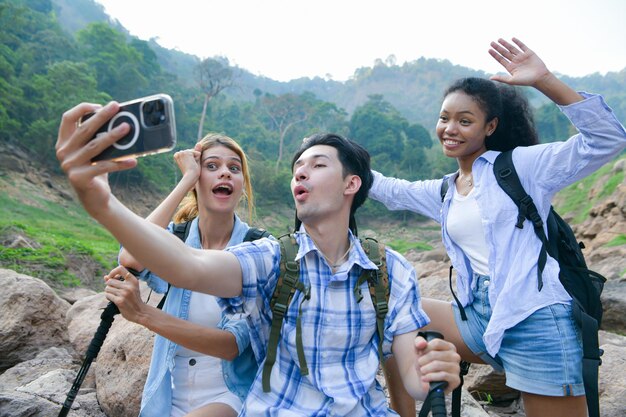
(33, 318)
(83, 319)
(39, 387)
(122, 369)
(612, 384)
(614, 305)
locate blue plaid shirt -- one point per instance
(338, 334)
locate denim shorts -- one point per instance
(540, 355)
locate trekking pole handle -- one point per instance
(436, 391)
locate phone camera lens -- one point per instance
(154, 112)
(148, 107)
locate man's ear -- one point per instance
(353, 184)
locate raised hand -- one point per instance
(188, 162)
(526, 68)
(522, 64)
(75, 149)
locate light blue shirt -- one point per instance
(513, 253)
(238, 374)
(338, 334)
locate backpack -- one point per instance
(581, 283)
(181, 231)
(288, 283)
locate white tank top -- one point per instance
(203, 310)
(466, 230)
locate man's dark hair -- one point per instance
(355, 161)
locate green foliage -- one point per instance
(119, 66)
(402, 246)
(552, 124)
(397, 147)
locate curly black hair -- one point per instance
(516, 126)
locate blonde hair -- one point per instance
(188, 208)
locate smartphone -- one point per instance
(152, 128)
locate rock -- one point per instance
(608, 338)
(614, 305)
(122, 369)
(612, 385)
(33, 318)
(123, 364)
(83, 319)
(10, 162)
(436, 287)
(487, 385)
(609, 262)
(39, 387)
(74, 294)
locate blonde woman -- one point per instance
(201, 362)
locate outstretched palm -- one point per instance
(523, 65)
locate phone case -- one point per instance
(152, 128)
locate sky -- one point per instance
(288, 39)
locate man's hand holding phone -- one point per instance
(95, 140)
(152, 128)
(75, 150)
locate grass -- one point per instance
(575, 198)
(616, 241)
(59, 233)
(403, 246)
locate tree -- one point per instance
(119, 66)
(65, 84)
(395, 145)
(551, 124)
(285, 111)
(212, 76)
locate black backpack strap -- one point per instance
(286, 286)
(591, 357)
(444, 189)
(255, 233)
(181, 231)
(456, 299)
(509, 181)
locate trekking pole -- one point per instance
(106, 320)
(435, 400)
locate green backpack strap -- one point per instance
(286, 287)
(378, 283)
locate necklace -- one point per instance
(467, 179)
(339, 262)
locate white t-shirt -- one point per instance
(466, 230)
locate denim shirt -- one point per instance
(513, 253)
(238, 374)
